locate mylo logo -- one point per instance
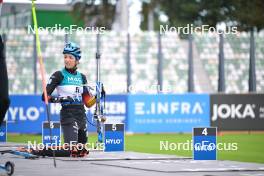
(31, 113)
(204, 146)
(239, 111)
(113, 141)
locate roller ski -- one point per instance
(20, 152)
(78, 150)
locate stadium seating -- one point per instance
(236, 53)
(144, 51)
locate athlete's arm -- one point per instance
(88, 99)
(53, 82)
(85, 89)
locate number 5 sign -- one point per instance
(55, 132)
(114, 137)
(204, 143)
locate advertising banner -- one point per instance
(168, 112)
(237, 111)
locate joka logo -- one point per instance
(233, 111)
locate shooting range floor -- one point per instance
(127, 163)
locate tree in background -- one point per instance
(244, 14)
(247, 15)
(150, 12)
(95, 13)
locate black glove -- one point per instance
(54, 99)
(60, 99)
(67, 99)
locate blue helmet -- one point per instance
(73, 49)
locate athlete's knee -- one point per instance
(70, 133)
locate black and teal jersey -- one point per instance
(71, 85)
(67, 84)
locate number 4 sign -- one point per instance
(204, 143)
(205, 131)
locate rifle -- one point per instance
(100, 98)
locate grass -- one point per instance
(250, 146)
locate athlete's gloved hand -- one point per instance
(53, 99)
(69, 99)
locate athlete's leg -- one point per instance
(70, 133)
(82, 135)
(69, 126)
(82, 124)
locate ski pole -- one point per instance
(42, 72)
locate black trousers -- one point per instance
(73, 123)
